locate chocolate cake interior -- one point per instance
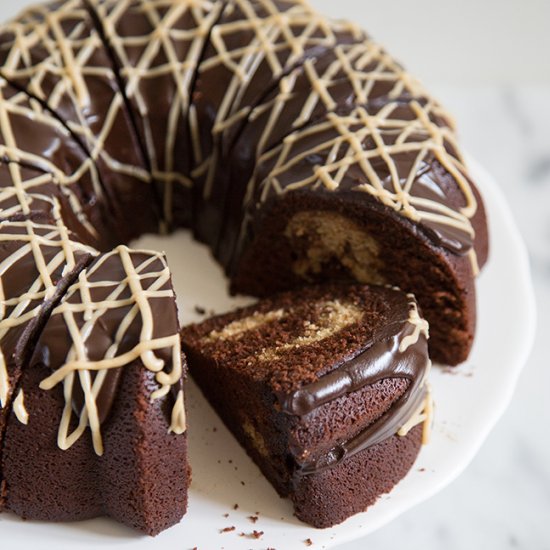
(303, 239)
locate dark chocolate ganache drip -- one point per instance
(386, 358)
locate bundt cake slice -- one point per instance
(252, 45)
(108, 362)
(157, 47)
(378, 195)
(55, 55)
(326, 389)
(347, 76)
(31, 137)
(39, 259)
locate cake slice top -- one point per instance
(121, 311)
(301, 339)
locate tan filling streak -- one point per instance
(334, 317)
(238, 328)
(331, 236)
(255, 437)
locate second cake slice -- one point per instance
(326, 388)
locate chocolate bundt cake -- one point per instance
(293, 145)
(326, 389)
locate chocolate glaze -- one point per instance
(105, 398)
(104, 276)
(381, 360)
(431, 181)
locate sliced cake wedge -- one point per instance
(326, 388)
(107, 362)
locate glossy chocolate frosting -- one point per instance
(382, 359)
(412, 165)
(111, 304)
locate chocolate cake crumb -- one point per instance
(200, 310)
(253, 519)
(254, 535)
(236, 507)
(308, 542)
(228, 529)
(226, 515)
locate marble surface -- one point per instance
(503, 499)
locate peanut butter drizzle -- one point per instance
(23, 308)
(79, 366)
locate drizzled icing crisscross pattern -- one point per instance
(270, 33)
(281, 35)
(16, 147)
(146, 278)
(52, 250)
(163, 49)
(356, 73)
(54, 53)
(23, 190)
(356, 143)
